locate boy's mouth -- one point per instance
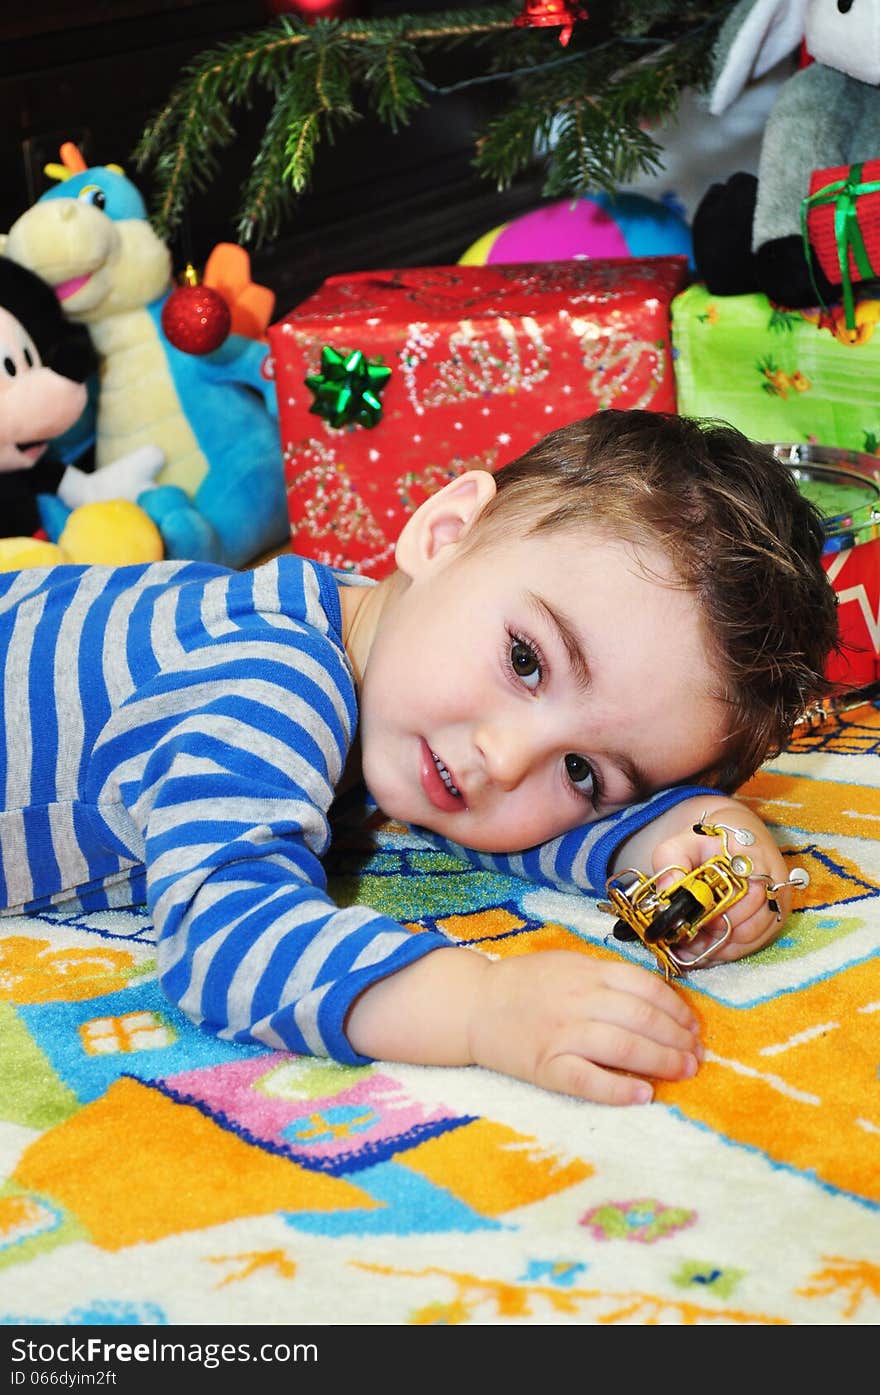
(445, 776)
(438, 783)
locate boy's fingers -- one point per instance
(609, 1063)
(650, 986)
(619, 1048)
(613, 1014)
(572, 1075)
(748, 936)
(755, 921)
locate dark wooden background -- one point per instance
(94, 71)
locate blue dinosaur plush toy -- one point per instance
(221, 495)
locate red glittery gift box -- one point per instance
(484, 360)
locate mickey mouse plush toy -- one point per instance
(45, 363)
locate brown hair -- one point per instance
(740, 535)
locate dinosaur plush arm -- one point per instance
(125, 478)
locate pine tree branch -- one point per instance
(393, 75)
(580, 112)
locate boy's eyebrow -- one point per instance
(569, 637)
(636, 778)
(638, 781)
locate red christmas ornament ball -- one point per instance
(196, 319)
(313, 9)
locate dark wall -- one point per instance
(94, 71)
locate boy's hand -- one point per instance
(753, 921)
(597, 1029)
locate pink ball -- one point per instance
(593, 227)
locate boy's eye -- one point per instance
(581, 773)
(525, 663)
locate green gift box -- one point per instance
(777, 374)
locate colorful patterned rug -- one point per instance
(153, 1175)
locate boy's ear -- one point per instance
(443, 519)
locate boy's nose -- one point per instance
(506, 752)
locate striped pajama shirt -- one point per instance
(174, 734)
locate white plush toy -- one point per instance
(747, 232)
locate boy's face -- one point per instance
(523, 688)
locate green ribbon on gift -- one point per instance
(347, 388)
(844, 194)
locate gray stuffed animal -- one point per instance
(747, 232)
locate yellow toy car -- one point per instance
(668, 916)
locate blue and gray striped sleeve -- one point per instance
(579, 860)
(245, 744)
(179, 731)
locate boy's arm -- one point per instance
(597, 1029)
(583, 858)
(649, 836)
(252, 947)
(227, 768)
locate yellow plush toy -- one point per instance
(113, 531)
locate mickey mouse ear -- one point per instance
(32, 302)
(63, 346)
(72, 355)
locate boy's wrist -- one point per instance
(636, 827)
(637, 850)
(424, 1013)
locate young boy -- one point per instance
(635, 604)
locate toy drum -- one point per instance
(845, 487)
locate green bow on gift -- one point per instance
(347, 388)
(844, 194)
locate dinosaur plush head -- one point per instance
(90, 239)
(211, 418)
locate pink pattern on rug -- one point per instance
(260, 1097)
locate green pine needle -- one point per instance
(579, 111)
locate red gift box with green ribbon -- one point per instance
(840, 220)
(390, 383)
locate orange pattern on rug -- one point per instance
(152, 1174)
